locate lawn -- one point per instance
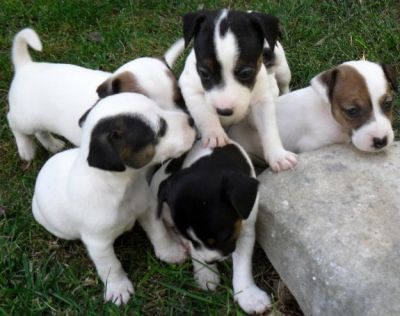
(44, 275)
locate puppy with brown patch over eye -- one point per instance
(210, 199)
(47, 98)
(349, 103)
(96, 192)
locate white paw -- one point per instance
(119, 292)
(281, 160)
(55, 145)
(172, 253)
(27, 152)
(215, 138)
(253, 300)
(207, 279)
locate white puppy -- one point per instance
(48, 98)
(96, 192)
(225, 79)
(351, 102)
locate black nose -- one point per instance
(379, 142)
(225, 112)
(191, 121)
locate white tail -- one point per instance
(173, 53)
(20, 54)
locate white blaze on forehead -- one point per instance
(226, 47)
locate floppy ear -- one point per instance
(391, 75)
(324, 84)
(123, 82)
(102, 153)
(191, 24)
(269, 27)
(105, 89)
(241, 191)
(139, 158)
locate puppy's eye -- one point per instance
(246, 73)
(162, 128)
(387, 105)
(195, 244)
(204, 73)
(352, 112)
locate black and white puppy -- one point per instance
(96, 192)
(210, 199)
(225, 79)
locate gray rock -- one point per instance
(331, 229)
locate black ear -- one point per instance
(102, 153)
(84, 116)
(191, 24)
(105, 89)
(269, 27)
(163, 191)
(391, 75)
(242, 192)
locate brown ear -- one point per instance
(324, 84)
(123, 82)
(391, 75)
(137, 159)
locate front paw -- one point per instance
(215, 138)
(119, 292)
(253, 300)
(206, 278)
(173, 253)
(281, 159)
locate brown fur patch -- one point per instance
(388, 97)
(123, 82)
(347, 89)
(137, 159)
(237, 229)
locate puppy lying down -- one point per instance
(210, 198)
(48, 98)
(96, 192)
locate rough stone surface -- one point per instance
(331, 228)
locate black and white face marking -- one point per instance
(229, 52)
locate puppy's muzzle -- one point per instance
(225, 112)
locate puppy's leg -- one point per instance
(207, 121)
(165, 247)
(49, 142)
(206, 275)
(118, 287)
(264, 117)
(250, 298)
(26, 145)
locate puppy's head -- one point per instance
(130, 130)
(148, 76)
(360, 95)
(229, 53)
(208, 208)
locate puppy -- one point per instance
(225, 80)
(96, 192)
(351, 102)
(210, 198)
(46, 98)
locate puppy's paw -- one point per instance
(207, 279)
(281, 160)
(215, 138)
(55, 145)
(173, 253)
(27, 152)
(253, 300)
(119, 292)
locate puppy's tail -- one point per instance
(173, 53)
(20, 54)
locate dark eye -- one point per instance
(195, 244)
(352, 112)
(162, 128)
(245, 73)
(204, 73)
(387, 105)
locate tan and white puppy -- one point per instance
(349, 103)
(96, 192)
(47, 98)
(225, 80)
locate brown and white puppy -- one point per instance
(351, 102)
(225, 79)
(49, 98)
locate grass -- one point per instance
(44, 275)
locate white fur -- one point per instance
(306, 123)
(47, 98)
(257, 103)
(250, 298)
(75, 201)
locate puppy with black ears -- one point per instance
(96, 192)
(209, 197)
(225, 80)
